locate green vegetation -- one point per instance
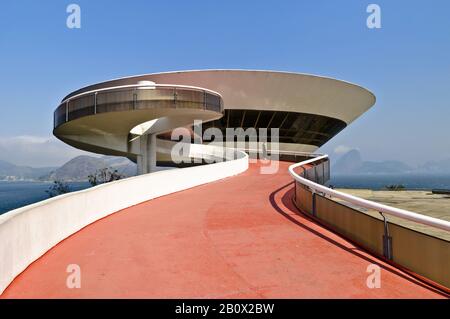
(104, 175)
(395, 187)
(58, 188)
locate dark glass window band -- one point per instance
(294, 127)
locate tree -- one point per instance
(58, 188)
(104, 175)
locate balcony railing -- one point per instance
(420, 253)
(136, 97)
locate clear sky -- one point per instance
(406, 63)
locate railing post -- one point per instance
(387, 239)
(95, 103)
(67, 111)
(328, 170)
(295, 192)
(323, 173)
(204, 100)
(175, 97)
(135, 92)
(314, 213)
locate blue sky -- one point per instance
(406, 63)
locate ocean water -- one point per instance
(380, 181)
(18, 194)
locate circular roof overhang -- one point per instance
(267, 90)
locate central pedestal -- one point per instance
(146, 161)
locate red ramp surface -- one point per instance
(235, 238)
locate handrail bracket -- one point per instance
(387, 239)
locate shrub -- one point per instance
(104, 175)
(395, 187)
(58, 188)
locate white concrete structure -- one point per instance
(124, 117)
(308, 110)
(28, 232)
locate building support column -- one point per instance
(140, 164)
(146, 161)
(151, 152)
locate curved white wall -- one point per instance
(29, 232)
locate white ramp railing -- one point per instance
(360, 202)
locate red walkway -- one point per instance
(239, 237)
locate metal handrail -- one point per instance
(135, 87)
(397, 212)
(174, 86)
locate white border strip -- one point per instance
(397, 212)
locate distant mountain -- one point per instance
(349, 163)
(10, 171)
(123, 165)
(352, 163)
(80, 167)
(436, 167)
(385, 167)
(77, 169)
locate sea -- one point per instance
(18, 194)
(380, 181)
